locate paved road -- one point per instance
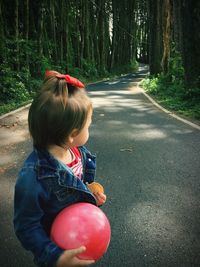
(149, 164)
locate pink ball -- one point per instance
(82, 224)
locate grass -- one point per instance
(190, 109)
(5, 108)
(173, 98)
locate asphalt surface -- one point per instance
(149, 164)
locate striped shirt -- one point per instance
(76, 165)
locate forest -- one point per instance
(92, 39)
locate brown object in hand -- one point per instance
(95, 187)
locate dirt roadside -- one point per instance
(13, 130)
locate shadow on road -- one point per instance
(149, 165)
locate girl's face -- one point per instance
(83, 135)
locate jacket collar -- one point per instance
(48, 166)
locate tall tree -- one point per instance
(1, 34)
(190, 11)
(141, 20)
(123, 33)
(17, 34)
(167, 20)
(94, 51)
(27, 32)
(155, 14)
(53, 29)
(86, 32)
(41, 29)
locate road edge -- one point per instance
(14, 111)
(170, 113)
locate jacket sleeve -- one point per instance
(27, 216)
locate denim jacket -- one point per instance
(43, 188)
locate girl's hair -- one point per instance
(58, 109)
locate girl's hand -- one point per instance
(69, 259)
(100, 198)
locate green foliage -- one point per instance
(18, 86)
(151, 84)
(193, 93)
(169, 89)
(176, 70)
(5, 108)
(89, 68)
(170, 83)
(45, 64)
(134, 65)
(12, 87)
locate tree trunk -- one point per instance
(177, 33)
(85, 7)
(1, 36)
(123, 34)
(92, 35)
(41, 29)
(53, 29)
(155, 9)
(66, 36)
(61, 31)
(16, 65)
(114, 35)
(27, 33)
(190, 42)
(101, 34)
(166, 34)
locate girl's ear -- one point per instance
(73, 134)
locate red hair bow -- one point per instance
(69, 79)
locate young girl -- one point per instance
(56, 173)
